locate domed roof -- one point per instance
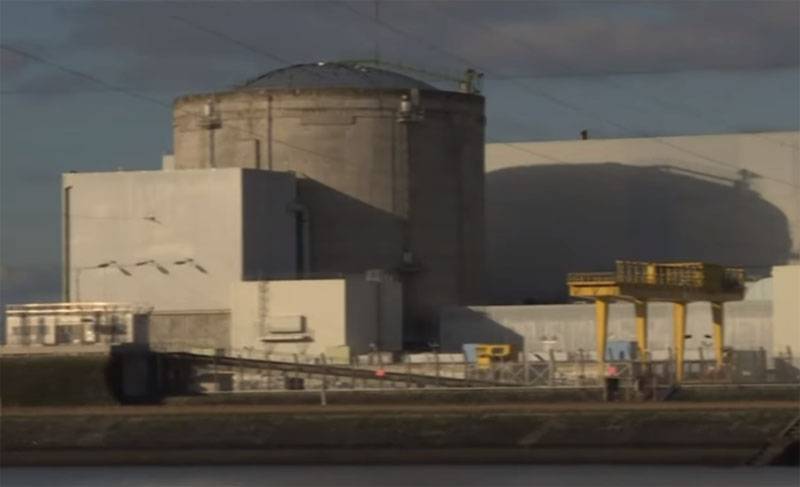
(335, 75)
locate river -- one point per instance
(399, 476)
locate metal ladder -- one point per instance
(263, 306)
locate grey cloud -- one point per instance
(11, 63)
(610, 37)
(561, 38)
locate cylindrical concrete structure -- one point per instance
(391, 171)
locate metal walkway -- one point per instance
(419, 380)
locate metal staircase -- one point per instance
(767, 454)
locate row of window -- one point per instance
(41, 330)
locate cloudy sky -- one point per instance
(86, 86)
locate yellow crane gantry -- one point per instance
(675, 282)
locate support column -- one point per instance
(601, 330)
(717, 317)
(679, 330)
(641, 330)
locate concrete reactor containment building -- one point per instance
(390, 172)
(304, 176)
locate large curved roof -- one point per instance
(335, 75)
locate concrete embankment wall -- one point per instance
(564, 433)
(489, 396)
(56, 380)
(103, 378)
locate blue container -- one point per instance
(470, 352)
(619, 350)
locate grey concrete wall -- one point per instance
(209, 329)
(362, 322)
(391, 319)
(269, 246)
(375, 186)
(566, 206)
(169, 217)
(571, 327)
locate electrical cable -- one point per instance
(494, 32)
(552, 98)
(121, 90)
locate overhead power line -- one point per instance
(84, 76)
(133, 94)
(669, 105)
(228, 38)
(260, 51)
(548, 96)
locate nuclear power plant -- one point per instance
(343, 209)
(321, 208)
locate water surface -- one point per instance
(399, 476)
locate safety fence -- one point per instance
(249, 370)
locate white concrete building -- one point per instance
(578, 205)
(337, 317)
(35, 325)
(221, 257)
(175, 240)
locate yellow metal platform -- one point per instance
(675, 282)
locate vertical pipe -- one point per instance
(438, 367)
(601, 323)
(269, 133)
(257, 153)
(717, 318)
(379, 339)
(679, 329)
(323, 400)
(650, 274)
(66, 250)
(211, 162)
(641, 330)
(303, 217)
(526, 371)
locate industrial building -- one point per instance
(339, 209)
(321, 208)
(389, 169)
(767, 318)
(732, 199)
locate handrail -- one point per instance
(697, 275)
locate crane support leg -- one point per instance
(717, 317)
(679, 328)
(641, 329)
(601, 322)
